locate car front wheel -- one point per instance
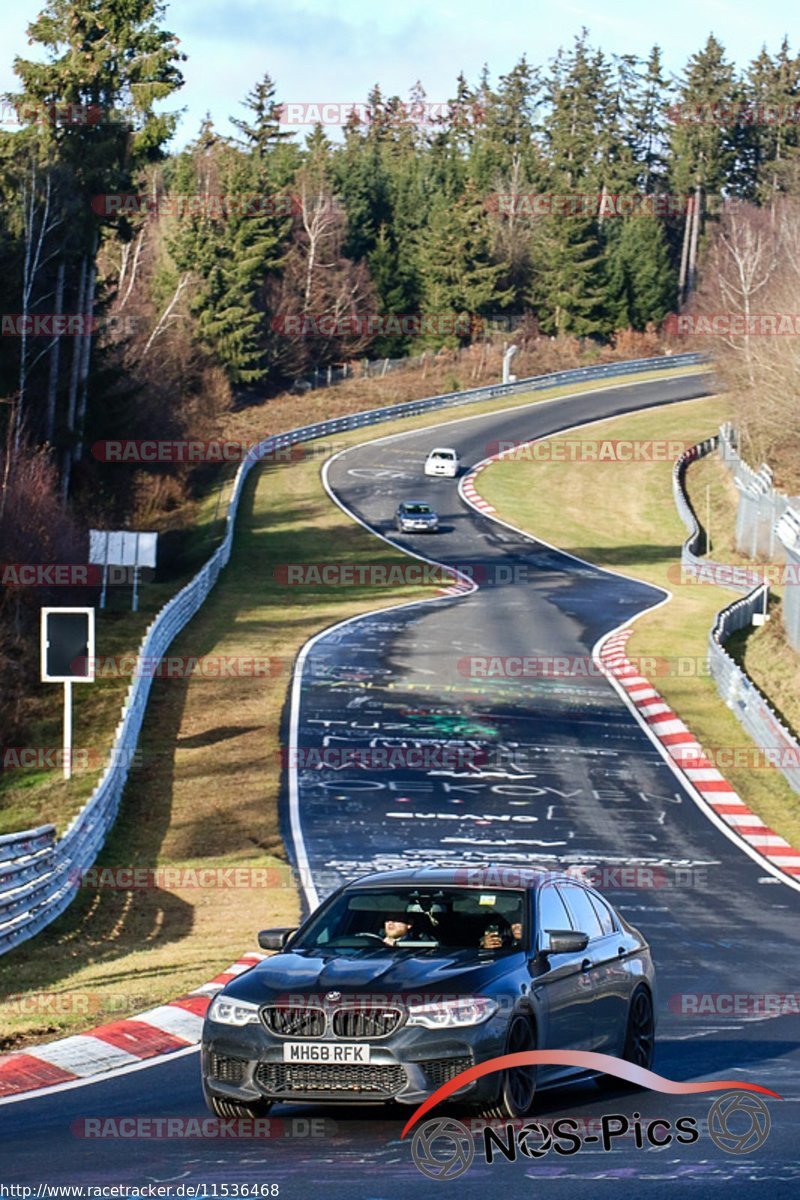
(518, 1084)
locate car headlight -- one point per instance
(233, 1012)
(452, 1014)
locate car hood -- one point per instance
(307, 972)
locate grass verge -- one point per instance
(623, 517)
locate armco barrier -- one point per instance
(34, 892)
(740, 694)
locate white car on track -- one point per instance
(442, 460)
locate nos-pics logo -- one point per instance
(443, 1148)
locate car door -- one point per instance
(614, 985)
(562, 982)
(606, 974)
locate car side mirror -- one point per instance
(565, 941)
(275, 939)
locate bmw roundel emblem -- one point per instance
(333, 997)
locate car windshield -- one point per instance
(443, 454)
(397, 919)
(417, 510)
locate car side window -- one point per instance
(581, 909)
(607, 922)
(552, 913)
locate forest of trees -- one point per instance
(190, 268)
(144, 288)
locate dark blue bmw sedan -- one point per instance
(401, 980)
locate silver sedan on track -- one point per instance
(416, 516)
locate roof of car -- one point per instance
(486, 875)
(442, 450)
(405, 503)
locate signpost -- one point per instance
(122, 549)
(67, 656)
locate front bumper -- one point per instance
(247, 1064)
(419, 526)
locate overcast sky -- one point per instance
(322, 52)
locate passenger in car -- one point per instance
(497, 936)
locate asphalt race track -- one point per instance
(554, 771)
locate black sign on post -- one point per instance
(67, 657)
(68, 645)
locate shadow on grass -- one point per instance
(628, 556)
(222, 733)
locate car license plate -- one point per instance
(325, 1052)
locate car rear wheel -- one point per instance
(639, 1036)
(518, 1084)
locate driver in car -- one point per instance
(395, 927)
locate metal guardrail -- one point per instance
(35, 891)
(695, 566)
(741, 695)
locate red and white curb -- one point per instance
(689, 756)
(162, 1030)
(460, 588)
(470, 491)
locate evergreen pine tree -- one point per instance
(568, 288)
(456, 268)
(641, 281)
